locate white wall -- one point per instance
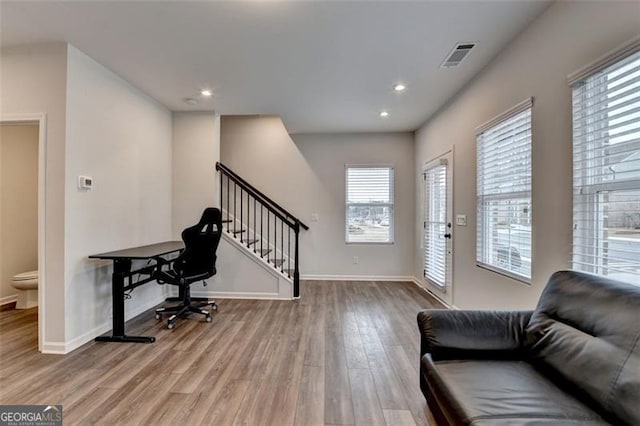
(6, 293)
(306, 175)
(241, 275)
(196, 149)
(19, 203)
(566, 37)
(123, 139)
(33, 80)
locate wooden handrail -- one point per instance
(292, 223)
(258, 194)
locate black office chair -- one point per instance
(196, 262)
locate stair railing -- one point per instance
(272, 224)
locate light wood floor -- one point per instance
(345, 354)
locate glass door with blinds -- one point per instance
(437, 240)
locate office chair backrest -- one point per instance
(201, 242)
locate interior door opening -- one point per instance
(25, 161)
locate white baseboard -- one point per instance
(8, 299)
(403, 278)
(76, 342)
(238, 295)
(134, 312)
(54, 348)
(432, 294)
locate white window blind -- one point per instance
(369, 204)
(504, 194)
(606, 171)
(435, 225)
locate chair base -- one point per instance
(185, 309)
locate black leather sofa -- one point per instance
(574, 360)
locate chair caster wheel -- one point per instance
(208, 318)
(171, 325)
(214, 307)
(158, 316)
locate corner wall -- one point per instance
(567, 36)
(123, 139)
(306, 175)
(196, 149)
(34, 80)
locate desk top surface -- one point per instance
(143, 252)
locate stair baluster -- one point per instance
(268, 243)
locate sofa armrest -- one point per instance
(447, 334)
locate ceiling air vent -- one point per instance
(456, 56)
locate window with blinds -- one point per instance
(504, 193)
(606, 171)
(369, 204)
(436, 261)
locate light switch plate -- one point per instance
(461, 219)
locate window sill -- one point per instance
(521, 279)
(375, 243)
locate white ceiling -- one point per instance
(322, 66)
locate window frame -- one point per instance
(589, 220)
(390, 204)
(482, 200)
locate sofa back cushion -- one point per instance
(585, 333)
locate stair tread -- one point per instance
(276, 263)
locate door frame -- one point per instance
(41, 120)
(445, 294)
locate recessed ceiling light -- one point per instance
(206, 92)
(384, 114)
(191, 101)
(399, 87)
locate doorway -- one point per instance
(36, 123)
(438, 228)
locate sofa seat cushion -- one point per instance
(478, 392)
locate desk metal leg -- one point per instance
(121, 269)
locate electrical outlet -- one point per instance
(315, 217)
(461, 220)
(85, 183)
(355, 260)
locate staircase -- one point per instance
(259, 224)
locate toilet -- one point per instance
(27, 285)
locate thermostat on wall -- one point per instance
(85, 182)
